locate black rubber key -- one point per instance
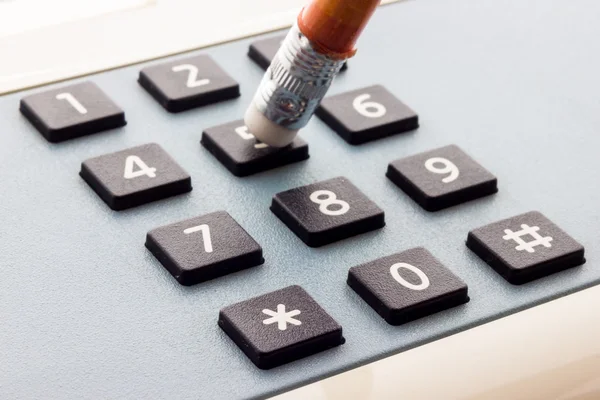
(72, 111)
(188, 83)
(263, 51)
(526, 247)
(204, 248)
(243, 155)
(406, 286)
(442, 178)
(280, 327)
(135, 176)
(367, 114)
(327, 211)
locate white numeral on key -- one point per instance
(422, 277)
(192, 80)
(72, 101)
(369, 109)
(448, 168)
(205, 236)
(330, 200)
(242, 131)
(143, 168)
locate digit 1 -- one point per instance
(205, 236)
(72, 101)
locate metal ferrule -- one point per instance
(296, 82)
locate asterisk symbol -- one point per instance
(281, 317)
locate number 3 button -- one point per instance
(135, 176)
(442, 178)
(327, 211)
(367, 114)
(184, 84)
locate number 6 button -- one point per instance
(406, 286)
(367, 114)
(442, 178)
(327, 211)
(72, 111)
(135, 176)
(203, 248)
(192, 82)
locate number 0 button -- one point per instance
(367, 114)
(327, 211)
(406, 286)
(442, 178)
(204, 248)
(72, 111)
(188, 83)
(135, 176)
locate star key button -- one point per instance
(525, 247)
(280, 327)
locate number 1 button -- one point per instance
(188, 83)
(367, 114)
(135, 176)
(442, 178)
(406, 286)
(72, 111)
(327, 211)
(204, 248)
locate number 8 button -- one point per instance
(442, 178)
(327, 211)
(367, 114)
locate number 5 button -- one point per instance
(188, 83)
(203, 248)
(327, 211)
(406, 286)
(72, 111)
(442, 178)
(135, 176)
(367, 114)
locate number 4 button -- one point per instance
(135, 176)
(406, 286)
(203, 248)
(442, 178)
(367, 114)
(184, 84)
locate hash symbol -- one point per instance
(531, 231)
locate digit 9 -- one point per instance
(448, 167)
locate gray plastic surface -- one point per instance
(86, 312)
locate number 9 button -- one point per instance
(367, 114)
(327, 211)
(442, 178)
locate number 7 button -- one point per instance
(442, 178)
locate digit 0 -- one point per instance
(420, 274)
(448, 168)
(326, 203)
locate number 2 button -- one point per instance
(442, 178)
(188, 83)
(135, 176)
(406, 286)
(203, 248)
(72, 111)
(367, 114)
(327, 211)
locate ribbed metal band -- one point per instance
(296, 82)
